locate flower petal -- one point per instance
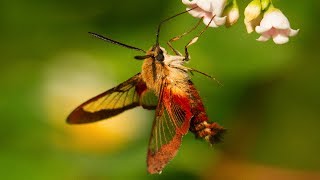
(266, 23)
(206, 21)
(279, 20)
(253, 10)
(232, 16)
(220, 20)
(218, 6)
(262, 29)
(205, 5)
(280, 39)
(198, 13)
(264, 37)
(189, 3)
(249, 26)
(293, 32)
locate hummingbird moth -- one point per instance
(164, 84)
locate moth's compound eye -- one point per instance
(160, 57)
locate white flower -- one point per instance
(276, 25)
(207, 9)
(232, 13)
(252, 15)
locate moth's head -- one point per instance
(158, 53)
(155, 52)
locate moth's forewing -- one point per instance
(199, 124)
(172, 120)
(125, 96)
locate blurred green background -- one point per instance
(270, 101)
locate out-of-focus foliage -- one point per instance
(270, 101)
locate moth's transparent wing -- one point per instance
(172, 121)
(126, 95)
(148, 100)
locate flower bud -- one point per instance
(252, 15)
(251, 25)
(253, 10)
(265, 4)
(232, 13)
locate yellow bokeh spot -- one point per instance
(66, 87)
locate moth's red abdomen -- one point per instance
(198, 110)
(199, 124)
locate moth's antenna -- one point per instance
(115, 42)
(165, 20)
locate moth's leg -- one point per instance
(180, 36)
(194, 40)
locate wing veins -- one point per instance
(104, 99)
(179, 114)
(111, 100)
(156, 136)
(117, 101)
(159, 131)
(125, 99)
(163, 131)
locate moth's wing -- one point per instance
(172, 121)
(126, 95)
(148, 100)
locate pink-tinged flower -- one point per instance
(207, 9)
(276, 25)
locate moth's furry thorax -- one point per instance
(170, 70)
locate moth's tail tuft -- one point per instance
(217, 135)
(211, 132)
